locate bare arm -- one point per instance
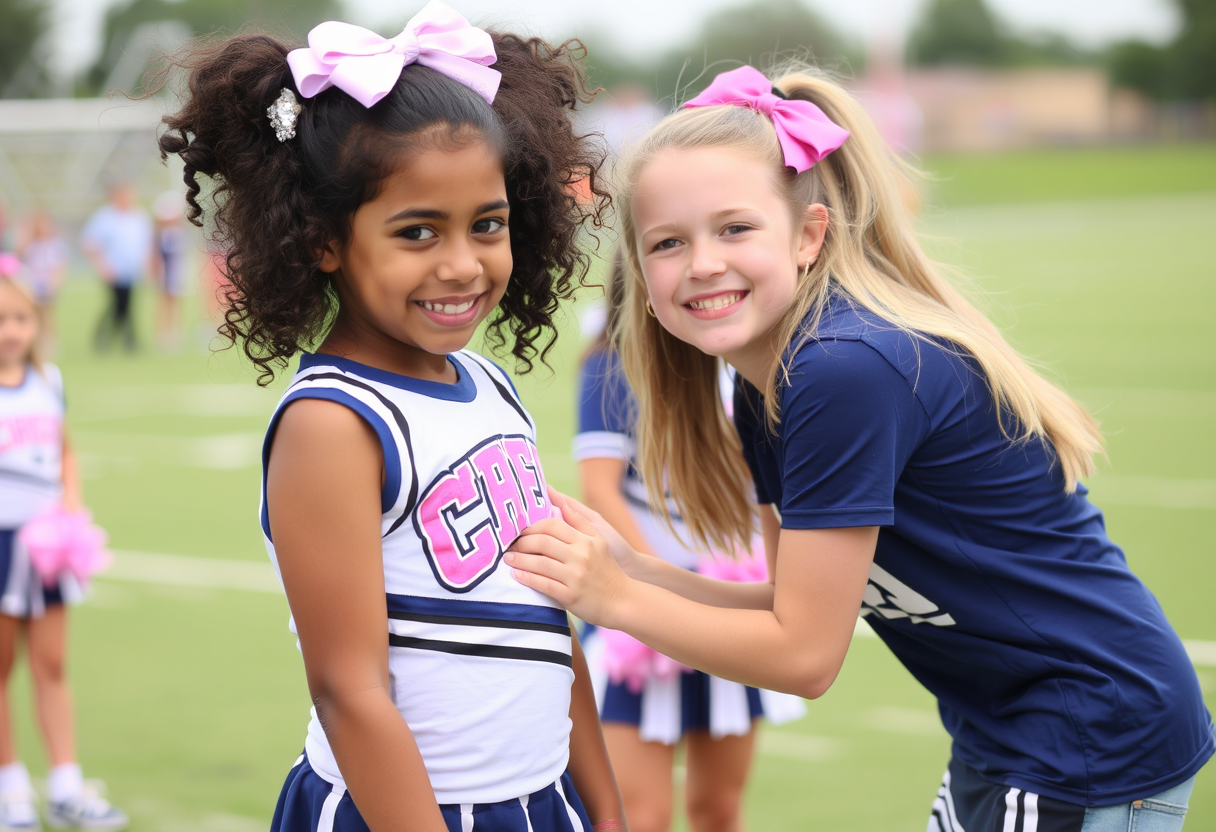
(73, 496)
(748, 596)
(589, 766)
(797, 647)
(323, 493)
(770, 530)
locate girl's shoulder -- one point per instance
(51, 374)
(856, 349)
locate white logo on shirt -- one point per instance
(890, 597)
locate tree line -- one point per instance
(949, 32)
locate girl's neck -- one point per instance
(12, 373)
(376, 350)
(755, 361)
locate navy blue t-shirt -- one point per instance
(1054, 667)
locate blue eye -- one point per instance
(736, 228)
(664, 245)
(417, 233)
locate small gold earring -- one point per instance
(650, 310)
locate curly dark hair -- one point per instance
(273, 206)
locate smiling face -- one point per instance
(719, 250)
(425, 261)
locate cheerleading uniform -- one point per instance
(31, 481)
(667, 706)
(491, 713)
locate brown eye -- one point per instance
(417, 233)
(490, 225)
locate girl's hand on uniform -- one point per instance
(571, 563)
(624, 554)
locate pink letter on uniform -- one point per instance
(507, 504)
(526, 463)
(455, 495)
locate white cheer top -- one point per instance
(480, 665)
(31, 445)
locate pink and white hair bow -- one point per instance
(806, 134)
(367, 66)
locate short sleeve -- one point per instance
(749, 421)
(849, 424)
(606, 412)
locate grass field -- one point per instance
(191, 694)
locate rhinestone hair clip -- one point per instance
(283, 114)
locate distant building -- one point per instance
(971, 109)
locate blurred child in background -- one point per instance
(171, 250)
(44, 259)
(118, 241)
(37, 472)
(649, 703)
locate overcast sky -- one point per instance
(639, 27)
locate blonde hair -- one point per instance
(31, 357)
(870, 255)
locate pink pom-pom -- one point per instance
(9, 264)
(60, 541)
(746, 567)
(630, 662)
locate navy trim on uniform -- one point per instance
(464, 390)
(402, 425)
(517, 615)
(489, 651)
(52, 596)
(308, 803)
(511, 398)
(392, 459)
(621, 705)
(559, 629)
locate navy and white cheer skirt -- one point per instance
(22, 593)
(309, 803)
(666, 709)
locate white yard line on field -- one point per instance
(254, 576)
(184, 570)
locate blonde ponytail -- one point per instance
(871, 255)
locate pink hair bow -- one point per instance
(366, 66)
(805, 132)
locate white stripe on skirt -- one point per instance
(523, 801)
(466, 817)
(575, 823)
(330, 808)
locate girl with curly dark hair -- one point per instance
(380, 199)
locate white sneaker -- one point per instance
(18, 812)
(89, 811)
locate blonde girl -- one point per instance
(37, 471)
(909, 465)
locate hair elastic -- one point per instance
(806, 134)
